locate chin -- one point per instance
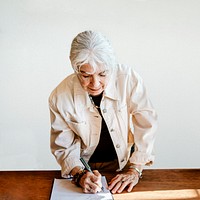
(94, 93)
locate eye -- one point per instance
(85, 76)
(102, 74)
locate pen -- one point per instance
(86, 165)
(88, 168)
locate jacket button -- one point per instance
(118, 145)
(111, 130)
(104, 110)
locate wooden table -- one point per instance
(157, 184)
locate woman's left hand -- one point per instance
(121, 181)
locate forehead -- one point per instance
(88, 69)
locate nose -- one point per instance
(95, 81)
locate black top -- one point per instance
(105, 150)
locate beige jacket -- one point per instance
(76, 123)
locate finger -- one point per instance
(96, 173)
(98, 185)
(133, 183)
(87, 189)
(84, 180)
(96, 178)
(114, 181)
(93, 186)
(123, 185)
(116, 187)
(92, 191)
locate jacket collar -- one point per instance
(81, 98)
(111, 89)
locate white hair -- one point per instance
(90, 47)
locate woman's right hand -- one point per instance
(91, 182)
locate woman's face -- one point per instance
(93, 82)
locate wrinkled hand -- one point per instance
(91, 182)
(121, 181)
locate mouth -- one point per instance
(94, 89)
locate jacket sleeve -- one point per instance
(144, 119)
(65, 145)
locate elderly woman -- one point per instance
(101, 113)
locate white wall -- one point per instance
(159, 38)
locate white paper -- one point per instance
(63, 189)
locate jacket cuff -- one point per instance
(140, 158)
(68, 164)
